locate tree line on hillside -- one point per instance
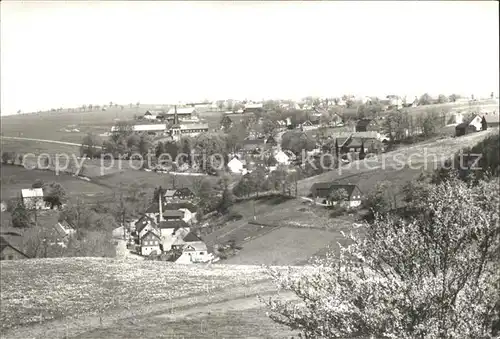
(428, 269)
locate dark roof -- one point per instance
(323, 189)
(4, 244)
(172, 224)
(357, 142)
(142, 222)
(364, 122)
(191, 237)
(186, 205)
(462, 125)
(173, 213)
(153, 233)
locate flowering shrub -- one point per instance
(435, 274)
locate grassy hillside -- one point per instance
(15, 178)
(38, 290)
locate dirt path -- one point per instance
(236, 298)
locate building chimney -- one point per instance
(160, 207)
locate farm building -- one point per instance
(8, 251)
(472, 125)
(33, 199)
(252, 108)
(492, 119)
(328, 193)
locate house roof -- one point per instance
(32, 192)
(63, 228)
(323, 189)
(192, 237)
(197, 246)
(172, 224)
(143, 222)
(4, 244)
(170, 193)
(150, 232)
(192, 126)
(173, 214)
(492, 117)
(184, 205)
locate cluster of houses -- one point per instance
(175, 123)
(166, 228)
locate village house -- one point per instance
(170, 230)
(33, 199)
(281, 158)
(179, 194)
(64, 231)
(150, 242)
(226, 122)
(153, 114)
(9, 251)
(253, 145)
(472, 125)
(188, 209)
(366, 125)
(330, 194)
(235, 165)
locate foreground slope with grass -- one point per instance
(39, 290)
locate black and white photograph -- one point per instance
(249, 169)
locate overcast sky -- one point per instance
(68, 54)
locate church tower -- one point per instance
(176, 127)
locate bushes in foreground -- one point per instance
(433, 274)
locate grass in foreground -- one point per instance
(38, 290)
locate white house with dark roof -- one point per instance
(330, 194)
(33, 199)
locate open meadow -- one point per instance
(40, 290)
(15, 178)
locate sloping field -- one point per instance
(50, 125)
(284, 246)
(38, 290)
(15, 178)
